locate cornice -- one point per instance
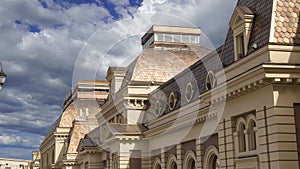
(90, 150)
(190, 119)
(259, 77)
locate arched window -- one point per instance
(120, 119)
(242, 137)
(211, 160)
(245, 136)
(191, 164)
(53, 156)
(251, 132)
(115, 162)
(190, 160)
(214, 162)
(172, 164)
(157, 164)
(86, 165)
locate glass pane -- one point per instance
(185, 38)
(151, 40)
(177, 38)
(194, 39)
(160, 37)
(168, 37)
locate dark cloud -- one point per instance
(44, 48)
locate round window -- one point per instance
(172, 101)
(189, 92)
(210, 80)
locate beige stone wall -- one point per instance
(14, 164)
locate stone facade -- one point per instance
(181, 106)
(59, 149)
(6, 163)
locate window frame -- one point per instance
(241, 24)
(248, 140)
(209, 155)
(252, 133)
(191, 89)
(171, 160)
(189, 155)
(174, 101)
(158, 107)
(157, 163)
(210, 79)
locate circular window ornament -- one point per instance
(210, 82)
(158, 108)
(172, 101)
(189, 92)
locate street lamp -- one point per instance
(2, 76)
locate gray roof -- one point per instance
(260, 35)
(88, 143)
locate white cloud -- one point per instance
(39, 65)
(15, 140)
(119, 2)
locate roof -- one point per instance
(65, 119)
(79, 130)
(160, 64)
(286, 29)
(260, 35)
(88, 143)
(72, 112)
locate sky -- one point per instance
(47, 45)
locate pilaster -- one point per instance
(180, 156)
(199, 154)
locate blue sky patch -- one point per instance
(44, 4)
(18, 22)
(33, 28)
(66, 4)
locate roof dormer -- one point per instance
(241, 24)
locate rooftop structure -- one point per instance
(87, 89)
(175, 107)
(8, 163)
(163, 35)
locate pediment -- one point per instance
(240, 16)
(238, 20)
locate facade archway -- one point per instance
(211, 159)
(190, 160)
(241, 133)
(172, 162)
(157, 164)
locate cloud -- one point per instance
(12, 140)
(78, 41)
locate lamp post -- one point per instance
(2, 76)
